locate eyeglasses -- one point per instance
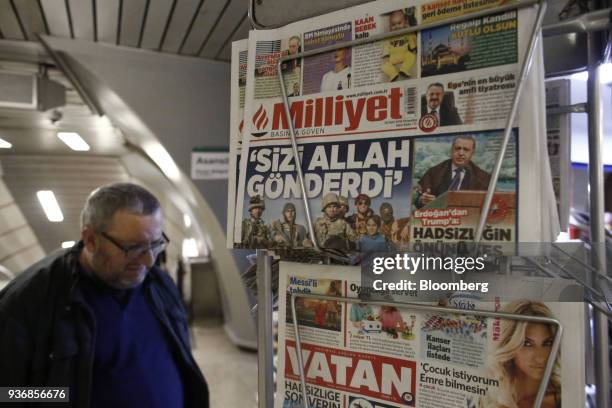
(135, 252)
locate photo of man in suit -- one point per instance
(454, 174)
(440, 105)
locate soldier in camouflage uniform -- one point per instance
(331, 231)
(255, 233)
(363, 210)
(288, 234)
(343, 208)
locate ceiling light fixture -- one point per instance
(68, 244)
(186, 220)
(74, 141)
(50, 206)
(4, 144)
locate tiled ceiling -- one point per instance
(198, 28)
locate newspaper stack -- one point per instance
(397, 138)
(370, 355)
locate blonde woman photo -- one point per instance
(519, 358)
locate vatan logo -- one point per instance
(260, 121)
(428, 122)
(498, 210)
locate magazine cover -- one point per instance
(367, 355)
(356, 108)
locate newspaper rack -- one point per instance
(591, 22)
(420, 307)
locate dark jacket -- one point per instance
(47, 330)
(438, 178)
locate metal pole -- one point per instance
(533, 40)
(298, 348)
(440, 309)
(265, 356)
(597, 228)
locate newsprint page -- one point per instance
(358, 355)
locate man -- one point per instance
(358, 219)
(454, 174)
(331, 231)
(387, 218)
(399, 53)
(343, 207)
(255, 233)
(296, 90)
(339, 77)
(99, 318)
(288, 234)
(293, 48)
(446, 114)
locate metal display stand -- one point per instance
(595, 21)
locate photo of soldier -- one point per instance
(454, 174)
(343, 207)
(255, 233)
(399, 53)
(287, 233)
(373, 240)
(358, 219)
(331, 231)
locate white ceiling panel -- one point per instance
(132, 14)
(8, 22)
(13, 240)
(201, 27)
(182, 16)
(226, 25)
(107, 16)
(241, 33)
(31, 17)
(157, 16)
(82, 19)
(57, 17)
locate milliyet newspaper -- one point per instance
(410, 126)
(366, 355)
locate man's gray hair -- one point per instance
(105, 201)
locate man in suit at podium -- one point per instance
(441, 105)
(454, 174)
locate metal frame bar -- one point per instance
(593, 21)
(527, 59)
(426, 308)
(265, 354)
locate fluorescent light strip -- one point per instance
(74, 141)
(50, 206)
(4, 144)
(68, 244)
(186, 220)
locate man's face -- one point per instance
(331, 210)
(110, 263)
(397, 21)
(339, 55)
(342, 210)
(256, 212)
(462, 152)
(289, 215)
(386, 214)
(434, 96)
(296, 88)
(294, 45)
